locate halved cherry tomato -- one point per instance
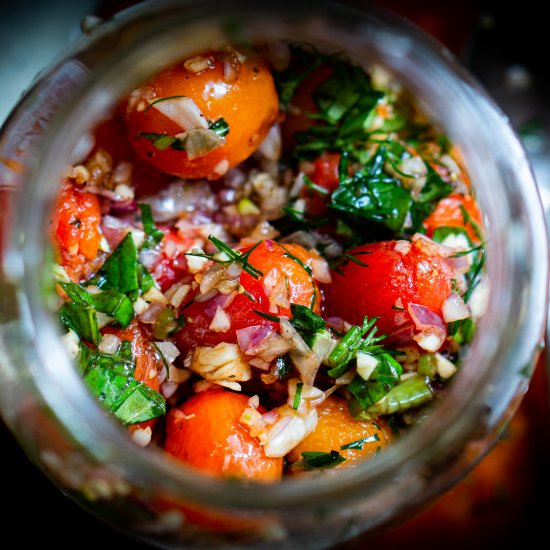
(284, 280)
(76, 230)
(449, 212)
(386, 284)
(205, 433)
(241, 92)
(336, 428)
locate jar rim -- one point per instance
(512, 264)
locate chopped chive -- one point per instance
(297, 396)
(273, 318)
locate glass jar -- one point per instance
(89, 456)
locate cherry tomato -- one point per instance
(205, 433)
(386, 283)
(76, 230)
(325, 175)
(241, 92)
(283, 271)
(337, 428)
(449, 212)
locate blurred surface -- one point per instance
(506, 495)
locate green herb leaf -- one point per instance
(163, 141)
(235, 256)
(306, 322)
(111, 302)
(297, 396)
(383, 378)
(220, 127)
(267, 316)
(119, 272)
(111, 380)
(322, 460)
(153, 234)
(357, 338)
(82, 320)
(373, 195)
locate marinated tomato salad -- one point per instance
(269, 263)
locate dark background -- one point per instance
(506, 48)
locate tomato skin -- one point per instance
(448, 212)
(336, 428)
(325, 175)
(390, 280)
(267, 256)
(249, 104)
(205, 433)
(76, 230)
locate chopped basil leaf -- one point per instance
(111, 302)
(82, 320)
(360, 442)
(322, 460)
(146, 280)
(111, 380)
(306, 322)
(462, 331)
(119, 272)
(220, 127)
(383, 378)
(153, 234)
(372, 195)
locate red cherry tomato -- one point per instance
(76, 230)
(241, 92)
(282, 273)
(388, 282)
(205, 433)
(325, 175)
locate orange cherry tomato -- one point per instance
(449, 212)
(241, 92)
(288, 281)
(336, 428)
(386, 284)
(205, 433)
(76, 230)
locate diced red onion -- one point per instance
(109, 344)
(454, 308)
(122, 208)
(403, 335)
(169, 350)
(402, 247)
(149, 257)
(424, 318)
(271, 146)
(460, 264)
(250, 338)
(270, 417)
(320, 270)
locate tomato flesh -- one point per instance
(205, 433)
